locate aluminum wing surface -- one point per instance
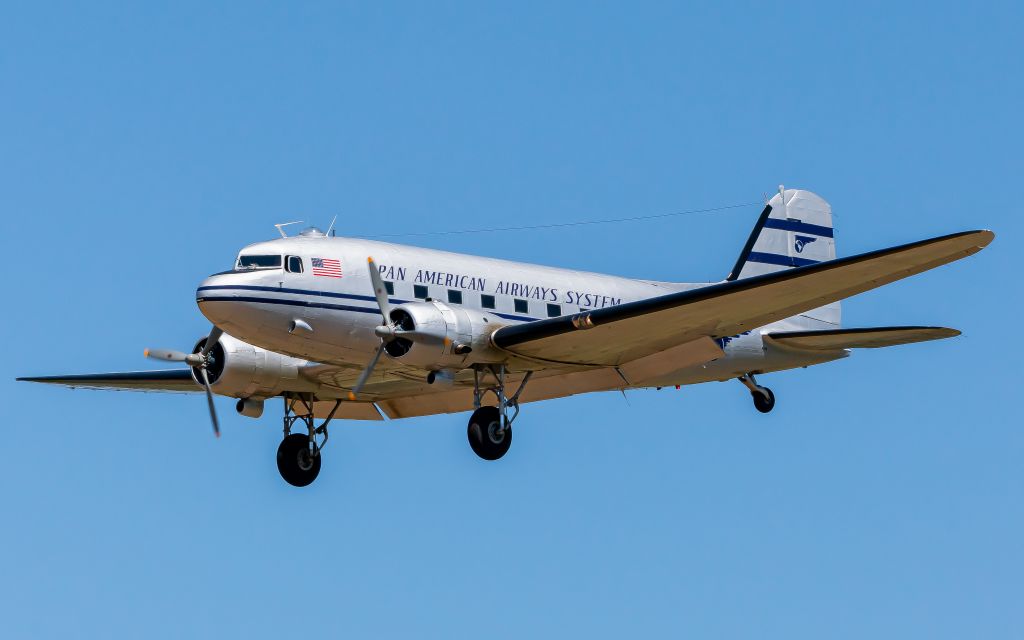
(620, 334)
(174, 380)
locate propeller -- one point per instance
(388, 332)
(200, 361)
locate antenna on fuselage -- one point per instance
(285, 224)
(330, 229)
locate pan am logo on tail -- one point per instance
(801, 242)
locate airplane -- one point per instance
(348, 328)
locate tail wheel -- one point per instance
(764, 399)
(486, 436)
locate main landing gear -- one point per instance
(490, 428)
(299, 454)
(764, 399)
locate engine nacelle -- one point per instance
(241, 370)
(447, 337)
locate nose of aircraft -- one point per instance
(218, 296)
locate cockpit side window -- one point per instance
(293, 264)
(250, 263)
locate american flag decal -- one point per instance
(327, 267)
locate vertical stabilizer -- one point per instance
(794, 230)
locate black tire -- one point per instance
(764, 402)
(486, 437)
(297, 466)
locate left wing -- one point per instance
(173, 380)
(620, 334)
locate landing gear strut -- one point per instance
(298, 456)
(764, 399)
(490, 428)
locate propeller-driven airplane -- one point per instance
(359, 329)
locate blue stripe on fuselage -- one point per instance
(305, 292)
(319, 305)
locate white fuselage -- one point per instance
(263, 306)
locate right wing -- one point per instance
(620, 334)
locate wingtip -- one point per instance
(982, 236)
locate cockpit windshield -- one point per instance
(251, 263)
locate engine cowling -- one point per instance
(446, 337)
(241, 370)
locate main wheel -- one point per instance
(297, 465)
(486, 437)
(764, 401)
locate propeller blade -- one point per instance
(215, 334)
(199, 362)
(365, 375)
(209, 401)
(165, 354)
(380, 291)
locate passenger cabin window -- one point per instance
(554, 310)
(455, 297)
(390, 287)
(293, 264)
(521, 306)
(419, 291)
(486, 301)
(250, 263)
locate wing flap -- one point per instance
(619, 334)
(872, 338)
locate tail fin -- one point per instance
(794, 230)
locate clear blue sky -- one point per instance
(140, 147)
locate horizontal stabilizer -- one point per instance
(837, 339)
